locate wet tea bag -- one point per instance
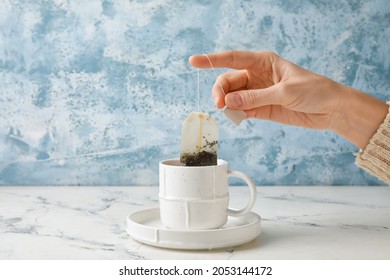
(199, 140)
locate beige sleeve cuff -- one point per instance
(375, 158)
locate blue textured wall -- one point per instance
(94, 92)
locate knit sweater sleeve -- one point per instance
(375, 158)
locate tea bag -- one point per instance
(199, 140)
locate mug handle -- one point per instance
(252, 188)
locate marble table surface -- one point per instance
(297, 223)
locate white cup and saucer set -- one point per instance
(193, 212)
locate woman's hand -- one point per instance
(266, 86)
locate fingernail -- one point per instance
(218, 97)
(216, 101)
(233, 100)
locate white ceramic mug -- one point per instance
(197, 197)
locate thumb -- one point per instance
(253, 98)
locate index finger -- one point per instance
(229, 59)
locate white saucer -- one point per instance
(145, 226)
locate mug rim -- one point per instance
(165, 162)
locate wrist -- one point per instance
(357, 116)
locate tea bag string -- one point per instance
(198, 90)
(215, 73)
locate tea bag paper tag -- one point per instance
(236, 116)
